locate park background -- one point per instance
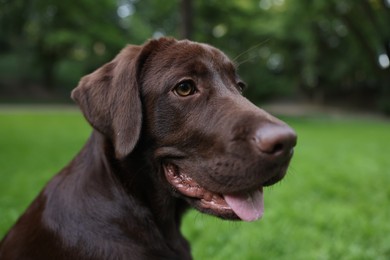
(323, 66)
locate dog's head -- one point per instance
(182, 100)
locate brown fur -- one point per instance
(113, 201)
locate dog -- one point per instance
(171, 129)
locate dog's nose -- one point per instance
(276, 140)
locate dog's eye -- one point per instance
(185, 88)
(241, 86)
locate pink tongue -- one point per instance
(247, 206)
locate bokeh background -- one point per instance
(322, 66)
(328, 51)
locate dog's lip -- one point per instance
(188, 186)
(246, 205)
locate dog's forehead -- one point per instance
(197, 57)
(184, 52)
(209, 55)
(218, 55)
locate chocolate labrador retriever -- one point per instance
(171, 130)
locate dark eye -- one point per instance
(241, 86)
(185, 88)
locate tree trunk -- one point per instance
(48, 75)
(186, 26)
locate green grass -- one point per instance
(333, 204)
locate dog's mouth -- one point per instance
(246, 205)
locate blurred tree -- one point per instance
(52, 31)
(331, 48)
(324, 49)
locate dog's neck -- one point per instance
(143, 198)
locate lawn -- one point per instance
(333, 204)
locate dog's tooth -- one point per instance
(208, 196)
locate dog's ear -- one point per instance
(109, 99)
(110, 96)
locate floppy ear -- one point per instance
(110, 100)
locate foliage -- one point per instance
(324, 49)
(333, 204)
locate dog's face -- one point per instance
(212, 142)
(181, 102)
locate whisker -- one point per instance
(250, 49)
(244, 61)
